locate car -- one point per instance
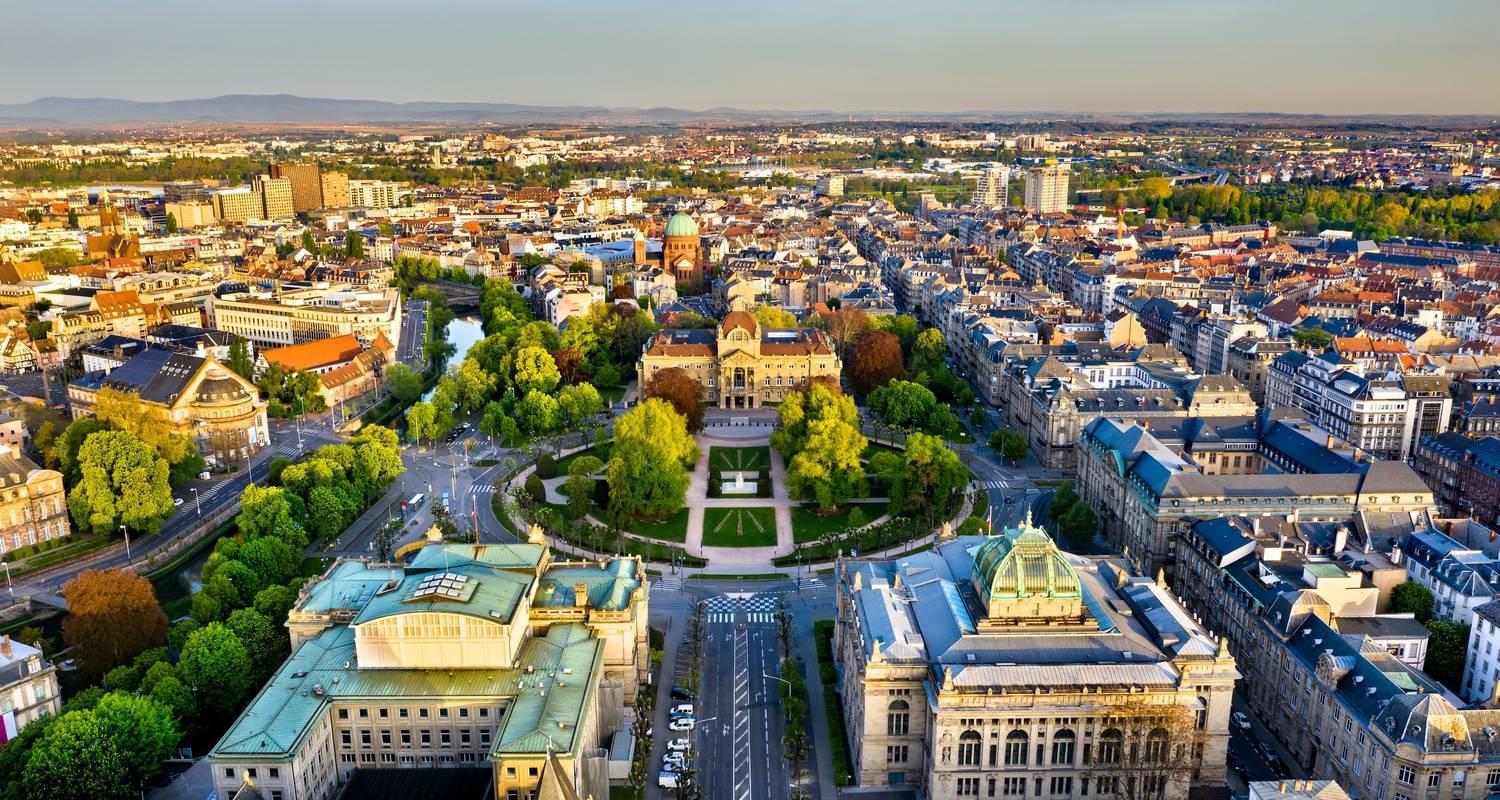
(682, 710)
(676, 760)
(1010, 501)
(681, 724)
(177, 501)
(1240, 720)
(678, 745)
(679, 693)
(667, 780)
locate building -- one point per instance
(12, 430)
(237, 205)
(1383, 414)
(740, 364)
(200, 398)
(32, 506)
(681, 250)
(334, 189)
(992, 189)
(303, 314)
(28, 686)
(1297, 790)
(830, 185)
(307, 184)
(1003, 667)
(469, 656)
(1047, 189)
(346, 367)
(275, 197)
(191, 214)
(374, 194)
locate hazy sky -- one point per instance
(1334, 56)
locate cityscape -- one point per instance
(822, 430)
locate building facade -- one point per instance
(1047, 189)
(740, 364)
(33, 508)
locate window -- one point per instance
(968, 787)
(406, 738)
(346, 738)
(1111, 745)
(1406, 775)
(896, 754)
(969, 745)
(1063, 744)
(275, 772)
(1015, 747)
(1156, 747)
(1013, 787)
(1435, 780)
(445, 737)
(1062, 786)
(897, 718)
(385, 738)
(343, 713)
(426, 738)
(364, 738)
(229, 772)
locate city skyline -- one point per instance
(1176, 57)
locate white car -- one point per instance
(667, 780)
(682, 710)
(177, 501)
(1241, 720)
(674, 761)
(678, 745)
(681, 724)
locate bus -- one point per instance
(410, 506)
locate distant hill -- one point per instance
(288, 109)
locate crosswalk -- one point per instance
(760, 608)
(671, 583)
(1015, 483)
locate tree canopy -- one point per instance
(682, 391)
(112, 616)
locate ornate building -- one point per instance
(741, 364)
(1003, 667)
(477, 656)
(32, 506)
(220, 411)
(681, 250)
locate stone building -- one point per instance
(681, 250)
(32, 506)
(1003, 667)
(470, 656)
(740, 364)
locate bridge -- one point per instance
(458, 294)
(48, 600)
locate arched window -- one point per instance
(1063, 743)
(968, 748)
(1015, 747)
(1156, 746)
(1111, 746)
(897, 718)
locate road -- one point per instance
(739, 750)
(413, 330)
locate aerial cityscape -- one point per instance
(883, 402)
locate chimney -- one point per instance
(5, 646)
(580, 595)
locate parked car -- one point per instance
(682, 710)
(1240, 720)
(678, 745)
(679, 693)
(674, 761)
(667, 780)
(177, 501)
(682, 724)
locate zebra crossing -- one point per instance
(1005, 484)
(671, 583)
(760, 608)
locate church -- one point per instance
(681, 250)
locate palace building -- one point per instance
(740, 364)
(485, 658)
(1001, 666)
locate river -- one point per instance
(463, 332)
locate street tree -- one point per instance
(216, 662)
(124, 483)
(403, 384)
(577, 404)
(827, 469)
(113, 616)
(925, 481)
(537, 413)
(421, 422)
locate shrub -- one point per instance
(534, 488)
(764, 474)
(763, 487)
(715, 488)
(546, 466)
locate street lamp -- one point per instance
(197, 504)
(126, 531)
(8, 585)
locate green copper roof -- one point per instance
(681, 225)
(609, 589)
(547, 712)
(1023, 562)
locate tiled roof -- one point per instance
(315, 354)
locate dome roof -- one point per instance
(218, 388)
(681, 225)
(1023, 562)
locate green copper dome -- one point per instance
(681, 225)
(1023, 562)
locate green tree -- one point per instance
(656, 422)
(403, 384)
(354, 245)
(272, 560)
(308, 243)
(216, 662)
(1412, 598)
(537, 413)
(1446, 646)
(264, 640)
(644, 480)
(929, 350)
(473, 385)
(927, 479)
(827, 469)
(239, 358)
(171, 692)
(65, 448)
(171, 222)
(421, 422)
(534, 369)
(773, 317)
(143, 730)
(76, 759)
(123, 482)
(578, 403)
(267, 511)
(903, 404)
(275, 601)
(1079, 525)
(1014, 446)
(1063, 500)
(1312, 338)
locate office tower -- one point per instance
(1047, 189)
(237, 205)
(307, 184)
(335, 189)
(992, 188)
(830, 186)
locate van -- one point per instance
(667, 780)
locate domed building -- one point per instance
(1003, 666)
(742, 364)
(681, 250)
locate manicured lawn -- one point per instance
(739, 527)
(809, 526)
(739, 458)
(671, 529)
(872, 449)
(601, 453)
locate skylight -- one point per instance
(447, 585)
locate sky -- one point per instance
(1321, 56)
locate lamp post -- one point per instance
(126, 531)
(8, 585)
(197, 503)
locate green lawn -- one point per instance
(809, 526)
(872, 449)
(739, 527)
(739, 458)
(671, 529)
(601, 452)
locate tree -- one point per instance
(354, 245)
(644, 479)
(421, 422)
(275, 601)
(903, 404)
(112, 617)
(216, 662)
(656, 422)
(801, 407)
(1412, 598)
(171, 221)
(65, 448)
(875, 362)
(929, 350)
(1079, 525)
(307, 242)
(537, 413)
(267, 511)
(827, 469)
(534, 369)
(271, 559)
(127, 412)
(773, 317)
(1145, 751)
(1312, 338)
(844, 326)
(927, 480)
(1445, 652)
(1009, 444)
(239, 359)
(76, 759)
(578, 403)
(143, 730)
(171, 692)
(265, 641)
(403, 384)
(473, 385)
(682, 391)
(1063, 500)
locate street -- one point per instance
(739, 743)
